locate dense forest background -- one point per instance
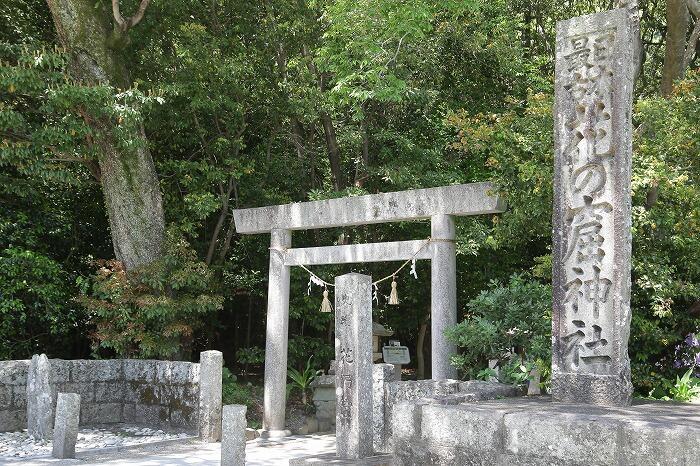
(129, 130)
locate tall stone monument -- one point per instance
(40, 406)
(353, 373)
(592, 208)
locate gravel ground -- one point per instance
(21, 445)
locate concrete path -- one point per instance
(194, 452)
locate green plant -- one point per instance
(151, 311)
(506, 318)
(301, 380)
(253, 355)
(234, 392)
(686, 388)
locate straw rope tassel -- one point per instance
(394, 296)
(326, 304)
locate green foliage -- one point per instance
(249, 395)
(686, 388)
(36, 312)
(301, 380)
(253, 355)
(151, 312)
(511, 317)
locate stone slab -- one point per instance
(233, 435)
(592, 208)
(537, 431)
(65, 430)
(416, 204)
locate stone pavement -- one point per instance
(194, 452)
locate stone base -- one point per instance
(536, 431)
(603, 390)
(274, 434)
(332, 459)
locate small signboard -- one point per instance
(396, 354)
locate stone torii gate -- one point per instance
(440, 205)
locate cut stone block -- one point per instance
(211, 366)
(592, 209)
(233, 436)
(40, 407)
(65, 431)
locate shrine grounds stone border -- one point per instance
(440, 205)
(162, 394)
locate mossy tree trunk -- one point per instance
(128, 176)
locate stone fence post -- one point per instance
(233, 435)
(40, 407)
(65, 431)
(210, 373)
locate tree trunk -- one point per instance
(677, 19)
(420, 349)
(333, 151)
(128, 176)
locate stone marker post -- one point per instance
(275, 389)
(65, 429)
(39, 398)
(210, 373)
(592, 219)
(353, 374)
(443, 295)
(233, 435)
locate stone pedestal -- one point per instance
(40, 407)
(443, 295)
(210, 373)
(233, 436)
(65, 430)
(275, 395)
(353, 354)
(592, 219)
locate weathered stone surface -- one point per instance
(40, 406)
(5, 396)
(101, 413)
(353, 353)
(11, 420)
(381, 375)
(592, 209)
(14, 372)
(109, 392)
(211, 365)
(139, 371)
(535, 431)
(488, 390)
(464, 199)
(173, 372)
(65, 430)
(60, 371)
(443, 295)
(103, 370)
(275, 388)
(233, 435)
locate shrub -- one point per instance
(151, 312)
(506, 318)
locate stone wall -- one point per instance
(154, 393)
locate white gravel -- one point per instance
(21, 445)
